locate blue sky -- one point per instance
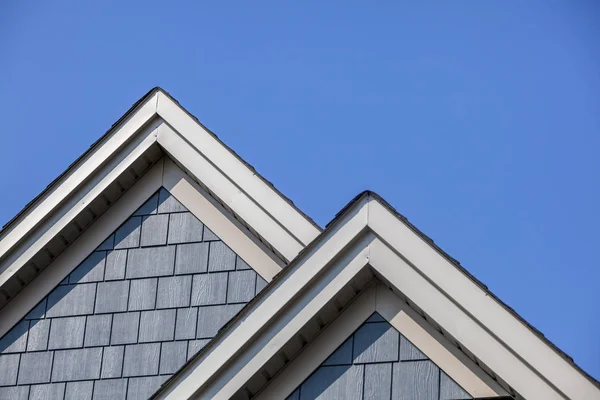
(479, 121)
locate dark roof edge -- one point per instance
(131, 110)
(339, 215)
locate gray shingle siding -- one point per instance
(378, 363)
(152, 295)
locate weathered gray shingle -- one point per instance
(149, 207)
(9, 366)
(143, 388)
(34, 367)
(212, 318)
(107, 244)
(14, 393)
(112, 362)
(220, 258)
(185, 325)
(154, 230)
(342, 355)
(49, 391)
(157, 325)
(332, 383)
(77, 365)
(377, 342)
(174, 291)
(168, 204)
(125, 328)
(150, 261)
(110, 389)
(97, 330)
(71, 300)
(128, 235)
(15, 340)
(184, 228)
(195, 346)
(79, 390)
(39, 311)
(66, 333)
(90, 270)
(191, 258)
(209, 235)
(409, 351)
(141, 359)
(240, 264)
(172, 357)
(115, 265)
(241, 286)
(38, 335)
(378, 381)
(112, 296)
(142, 294)
(449, 390)
(415, 380)
(209, 289)
(260, 284)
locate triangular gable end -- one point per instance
(125, 156)
(378, 362)
(480, 343)
(133, 312)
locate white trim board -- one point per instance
(157, 119)
(164, 174)
(366, 235)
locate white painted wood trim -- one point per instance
(246, 179)
(69, 259)
(82, 172)
(254, 215)
(322, 347)
(482, 309)
(88, 193)
(220, 221)
(435, 346)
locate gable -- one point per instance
(133, 312)
(377, 362)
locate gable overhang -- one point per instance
(155, 126)
(369, 235)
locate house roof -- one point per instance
(299, 256)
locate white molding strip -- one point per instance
(220, 221)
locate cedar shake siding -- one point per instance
(130, 315)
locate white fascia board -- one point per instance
(83, 246)
(226, 190)
(480, 310)
(251, 321)
(246, 179)
(220, 221)
(86, 168)
(89, 190)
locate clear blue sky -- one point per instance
(480, 121)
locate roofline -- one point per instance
(363, 197)
(14, 220)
